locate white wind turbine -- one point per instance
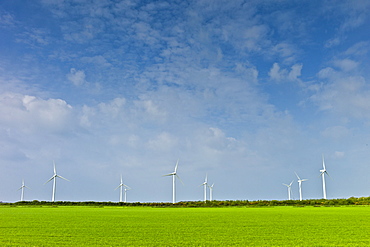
(205, 184)
(300, 185)
(323, 171)
(54, 178)
(211, 192)
(289, 189)
(22, 188)
(124, 187)
(174, 175)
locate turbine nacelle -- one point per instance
(289, 185)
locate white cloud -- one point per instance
(148, 110)
(343, 94)
(163, 142)
(31, 114)
(86, 114)
(354, 21)
(34, 37)
(339, 154)
(253, 35)
(336, 132)
(332, 42)
(275, 72)
(216, 139)
(6, 19)
(358, 49)
(97, 60)
(113, 108)
(295, 72)
(77, 77)
(327, 73)
(278, 74)
(285, 51)
(345, 64)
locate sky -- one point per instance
(247, 92)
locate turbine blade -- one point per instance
(328, 175)
(297, 175)
(118, 186)
(177, 164)
(323, 162)
(49, 180)
(179, 179)
(55, 170)
(62, 178)
(171, 174)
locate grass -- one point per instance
(145, 226)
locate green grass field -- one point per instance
(145, 226)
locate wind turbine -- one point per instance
(124, 187)
(300, 185)
(174, 175)
(289, 189)
(54, 178)
(205, 184)
(211, 192)
(22, 188)
(323, 171)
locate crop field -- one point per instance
(145, 226)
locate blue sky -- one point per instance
(248, 92)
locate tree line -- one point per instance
(228, 203)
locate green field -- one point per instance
(145, 226)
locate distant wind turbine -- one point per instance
(22, 188)
(124, 187)
(174, 175)
(205, 184)
(211, 192)
(54, 178)
(289, 189)
(300, 185)
(323, 172)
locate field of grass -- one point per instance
(145, 226)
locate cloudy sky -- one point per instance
(248, 92)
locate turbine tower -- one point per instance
(22, 188)
(205, 184)
(54, 178)
(211, 192)
(174, 175)
(300, 185)
(289, 189)
(124, 187)
(323, 171)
